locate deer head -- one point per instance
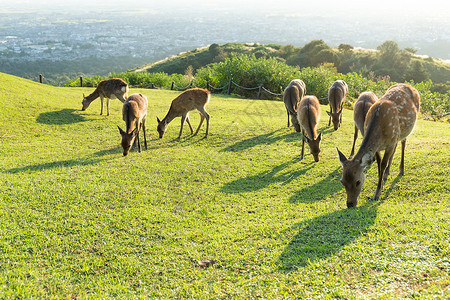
(314, 145)
(85, 103)
(162, 127)
(127, 140)
(336, 118)
(353, 176)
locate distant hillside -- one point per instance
(387, 60)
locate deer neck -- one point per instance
(95, 94)
(371, 141)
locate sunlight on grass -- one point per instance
(80, 220)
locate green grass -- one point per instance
(79, 220)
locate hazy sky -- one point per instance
(343, 8)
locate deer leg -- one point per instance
(189, 123)
(101, 110)
(145, 138)
(388, 168)
(137, 137)
(384, 163)
(303, 145)
(107, 106)
(289, 116)
(402, 160)
(206, 116)
(202, 117)
(378, 159)
(355, 136)
(183, 118)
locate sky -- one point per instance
(341, 8)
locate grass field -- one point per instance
(79, 220)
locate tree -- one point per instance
(417, 72)
(345, 48)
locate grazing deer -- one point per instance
(308, 115)
(134, 113)
(360, 109)
(389, 120)
(336, 97)
(114, 88)
(293, 93)
(181, 106)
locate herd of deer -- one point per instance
(382, 122)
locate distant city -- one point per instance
(153, 36)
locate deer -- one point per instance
(187, 101)
(114, 88)
(308, 115)
(389, 120)
(134, 113)
(292, 95)
(336, 97)
(360, 109)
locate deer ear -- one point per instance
(341, 157)
(120, 130)
(328, 113)
(134, 132)
(320, 136)
(157, 119)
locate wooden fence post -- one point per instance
(229, 86)
(81, 81)
(41, 78)
(259, 91)
(171, 87)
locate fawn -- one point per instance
(293, 93)
(114, 88)
(134, 113)
(191, 99)
(336, 97)
(390, 120)
(308, 115)
(360, 109)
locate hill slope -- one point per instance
(80, 220)
(346, 59)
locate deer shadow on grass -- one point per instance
(264, 139)
(327, 186)
(55, 164)
(266, 178)
(60, 117)
(322, 237)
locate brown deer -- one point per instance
(181, 106)
(293, 93)
(360, 109)
(134, 113)
(114, 88)
(308, 115)
(336, 97)
(389, 120)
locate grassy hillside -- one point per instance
(79, 220)
(315, 53)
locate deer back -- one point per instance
(406, 106)
(134, 110)
(188, 100)
(361, 107)
(308, 115)
(292, 95)
(336, 95)
(113, 88)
